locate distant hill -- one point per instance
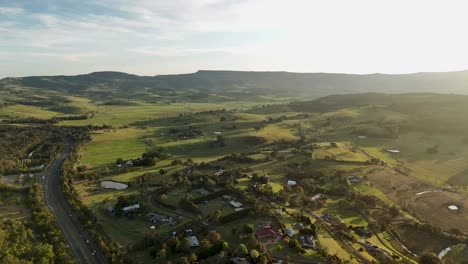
(238, 83)
(427, 112)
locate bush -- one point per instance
(248, 228)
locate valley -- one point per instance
(220, 174)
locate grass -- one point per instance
(458, 254)
(331, 245)
(106, 147)
(124, 115)
(96, 198)
(342, 153)
(24, 111)
(123, 230)
(14, 207)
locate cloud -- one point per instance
(301, 35)
(11, 12)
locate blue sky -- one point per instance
(159, 37)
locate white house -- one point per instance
(235, 204)
(193, 240)
(292, 183)
(131, 208)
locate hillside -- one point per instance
(236, 84)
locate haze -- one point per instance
(159, 37)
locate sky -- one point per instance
(151, 37)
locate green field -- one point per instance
(107, 146)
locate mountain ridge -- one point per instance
(291, 84)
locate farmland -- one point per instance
(349, 178)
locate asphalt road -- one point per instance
(81, 244)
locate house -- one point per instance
(129, 163)
(267, 233)
(277, 212)
(316, 197)
(292, 183)
(201, 191)
(354, 179)
(309, 242)
(299, 226)
(235, 204)
(290, 231)
(158, 218)
(193, 240)
(131, 208)
(227, 197)
(217, 133)
(239, 260)
(220, 172)
(266, 225)
(394, 151)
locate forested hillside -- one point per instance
(239, 84)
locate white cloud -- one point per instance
(11, 11)
(323, 35)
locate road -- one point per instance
(81, 244)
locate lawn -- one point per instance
(123, 230)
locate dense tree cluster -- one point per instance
(53, 120)
(185, 132)
(25, 147)
(86, 217)
(44, 224)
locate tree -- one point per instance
(241, 250)
(162, 255)
(254, 254)
(248, 228)
(234, 230)
(213, 236)
(394, 211)
(119, 161)
(433, 150)
(429, 258)
(192, 258)
(222, 119)
(217, 216)
(185, 245)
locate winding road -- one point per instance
(81, 243)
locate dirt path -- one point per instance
(270, 242)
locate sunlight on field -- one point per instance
(106, 147)
(24, 111)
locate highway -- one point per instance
(82, 246)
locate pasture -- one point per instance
(107, 146)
